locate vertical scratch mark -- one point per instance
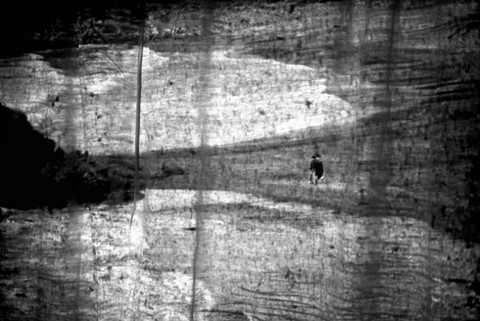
(201, 99)
(380, 179)
(141, 34)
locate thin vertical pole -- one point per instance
(141, 32)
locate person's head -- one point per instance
(317, 155)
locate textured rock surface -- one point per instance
(386, 91)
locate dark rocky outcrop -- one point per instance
(37, 173)
(26, 153)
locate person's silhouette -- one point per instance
(316, 169)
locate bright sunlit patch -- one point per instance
(136, 234)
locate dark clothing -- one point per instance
(317, 166)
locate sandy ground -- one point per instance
(238, 246)
(313, 262)
(89, 102)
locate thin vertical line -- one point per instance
(138, 107)
(202, 96)
(395, 7)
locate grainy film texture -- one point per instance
(293, 160)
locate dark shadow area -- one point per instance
(418, 150)
(35, 173)
(56, 24)
(277, 168)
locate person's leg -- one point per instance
(318, 177)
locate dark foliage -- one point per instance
(35, 173)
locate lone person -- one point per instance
(316, 169)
